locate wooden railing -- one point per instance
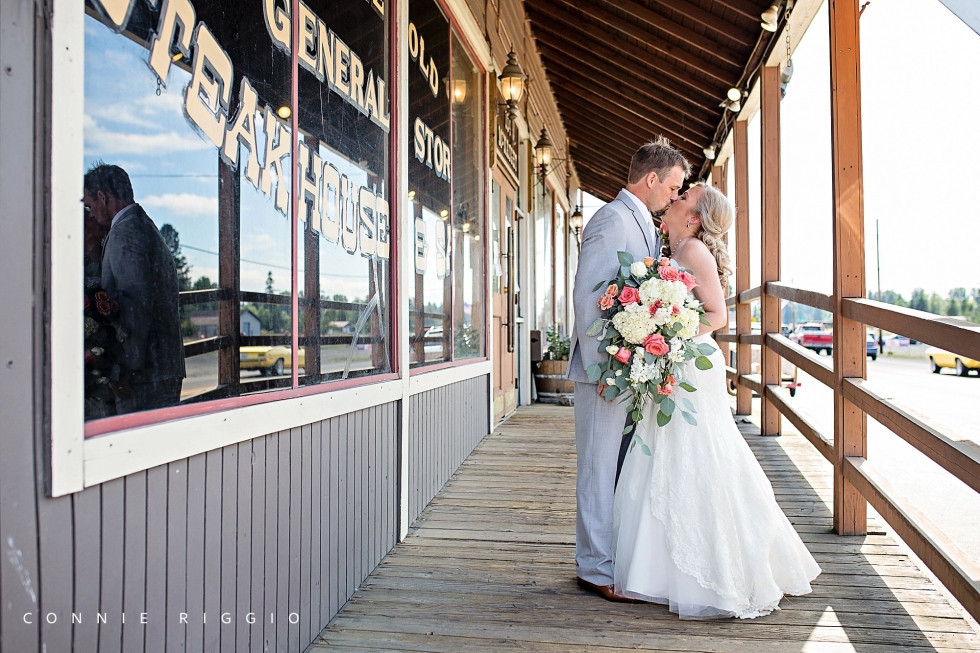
(954, 568)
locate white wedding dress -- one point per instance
(697, 524)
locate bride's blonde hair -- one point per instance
(717, 217)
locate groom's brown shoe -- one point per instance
(607, 592)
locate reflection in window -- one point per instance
(469, 292)
(561, 262)
(188, 229)
(543, 262)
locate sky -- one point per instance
(921, 136)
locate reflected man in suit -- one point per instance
(138, 272)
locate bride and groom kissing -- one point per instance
(689, 519)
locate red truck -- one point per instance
(813, 336)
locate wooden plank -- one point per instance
(953, 567)
(710, 21)
(87, 516)
(806, 297)
(258, 541)
(771, 189)
(751, 381)
(919, 325)
(750, 295)
(850, 355)
(213, 488)
(228, 591)
(326, 534)
(806, 359)
(197, 564)
(157, 556)
(958, 457)
(293, 529)
(305, 517)
(111, 603)
(317, 568)
(175, 530)
(56, 556)
(743, 313)
(779, 397)
(274, 481)
(336, 472)
(350, 510)
(134, 562)
(245, 565)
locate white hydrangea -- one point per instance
(669, 292)
(640, 372)
(634, 323)
(638, 269)
(676, 354)
(690, 323)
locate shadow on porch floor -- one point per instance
(490, 565)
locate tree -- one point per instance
(269, 287)
(919, 301)
(172, 238)
(892, 297)
(958, 294)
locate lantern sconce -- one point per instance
(512, 80)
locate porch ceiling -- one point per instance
(623, 71)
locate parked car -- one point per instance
(872, 346)
(813, 336)
(940, 358)
(269, 361)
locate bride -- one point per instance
(697, 525)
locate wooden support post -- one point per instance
(719, 179)
(229, 280)
(311, 306)
(771, 420)
(850, 360)
(743, 312)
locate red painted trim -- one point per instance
(294, 188)
(394, 251)
(123, 422)
(415, 371)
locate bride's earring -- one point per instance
(689, 224)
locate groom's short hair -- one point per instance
(657, 156)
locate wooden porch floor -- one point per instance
(490, 565)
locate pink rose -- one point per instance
(655, 306)
(649, 261)
(688, 279)
(675, 310)
(629, 295)
(665, 390)
(623, 355)
(612, 290)
(671, 380)
(664, 260)
(669, 273)
(89, 357)
(656, 345)
(606, 302)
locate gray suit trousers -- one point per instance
(598, 433)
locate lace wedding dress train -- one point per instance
(697, 525)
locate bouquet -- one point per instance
(647, 328)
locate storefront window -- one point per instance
(188, 134)
(543, 261)
(561, 263)
(469, 306)
(445, 179)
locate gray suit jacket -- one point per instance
(616, 227)
(138, 272)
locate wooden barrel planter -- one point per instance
(552, 386)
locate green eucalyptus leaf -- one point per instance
(600, 285)
(689, 418)
(667, 406)
(687, 386)
(627, 430)
(662, 418)
(648, 357)
(704, 320)
(594, 372)
(624, 272)
(595, 328)
(631, 283)
(645, 449)
(622, 382)
(625, 259)
(706, 348)
(702, 363)
(611, 393)
(612, 333)
(688, 405)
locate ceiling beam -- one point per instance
(631, 103)
(725, 77)
(749, 10)
(710, 21)
(669, 80)
(661, 24)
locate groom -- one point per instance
(656, 174)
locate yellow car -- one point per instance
(940, 358)
(269, 361)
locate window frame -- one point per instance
(140, 441)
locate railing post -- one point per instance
(850, 359)
(743, 312)
(719, 179)
(771, 319)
